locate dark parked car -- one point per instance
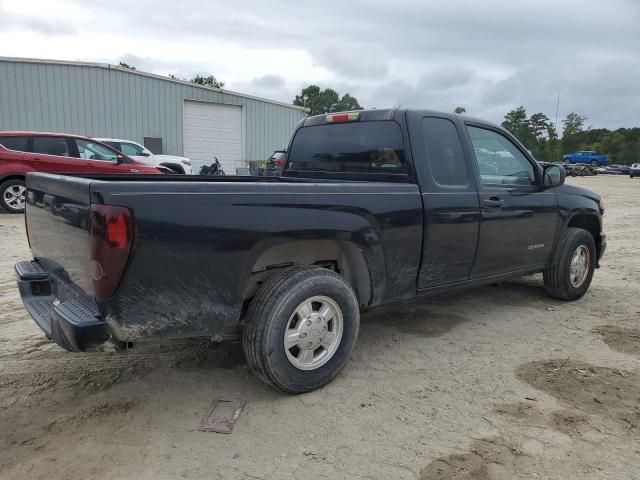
(373, 207)
(634, 171)
(22, 152)
(620, 169)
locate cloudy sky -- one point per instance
(488, 56)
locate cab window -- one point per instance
(444, 152)
(500, 161)
(359, 147)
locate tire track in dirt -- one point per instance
(593, 396)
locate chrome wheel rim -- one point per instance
(579, 268)
(313, 333)
(13, 196)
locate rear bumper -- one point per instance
(65, 315)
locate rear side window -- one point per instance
(19, 144)
(358, 147)
(51, 146)
(444, 152)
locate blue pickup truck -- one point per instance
(588, 157)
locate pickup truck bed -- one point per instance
(373, 207)
(210, 233)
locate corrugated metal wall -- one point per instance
(101, 101)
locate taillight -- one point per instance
(110, 242)
(342, 117)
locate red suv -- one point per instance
(22, 152)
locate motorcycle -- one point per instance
(215, 169)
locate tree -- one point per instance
(347, 103)
(209, 81)
(460, 110)
(126, 65)
(541, 126)
(573, 124)
(572, 130)
(518, 124)
(539, 135)
(325, 101)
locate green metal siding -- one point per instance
(108, 101)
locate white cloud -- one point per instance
(488, 56)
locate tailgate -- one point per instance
(57, 217)
(56, 287)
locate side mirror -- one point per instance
(145, 154)
(120, 158)
(553, 175)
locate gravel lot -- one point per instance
(494, 383)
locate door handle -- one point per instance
(133, 170)
(494, 202)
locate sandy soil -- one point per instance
(499, 382)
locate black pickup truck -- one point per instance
(373, 207)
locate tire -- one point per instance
(273, 311)
(559, 279)
(594, 163)
(10, 191)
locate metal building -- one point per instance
(174, 116)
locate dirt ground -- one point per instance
(499, 382)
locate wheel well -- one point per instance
(591, 224)
(173, 166)
(12, 177)
(341, 257)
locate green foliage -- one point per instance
(325, 101)
(460, 110)
(573, 124)
(126, 65)
(538, 134)
(209, 81)
(347, 103)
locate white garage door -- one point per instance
(213, 130)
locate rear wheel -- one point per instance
(594, 163)
(571, 275)
(301, 328)
(12, 195)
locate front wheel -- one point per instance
(301, 328)
(594, 163)
(12, 195)
(569, 278)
